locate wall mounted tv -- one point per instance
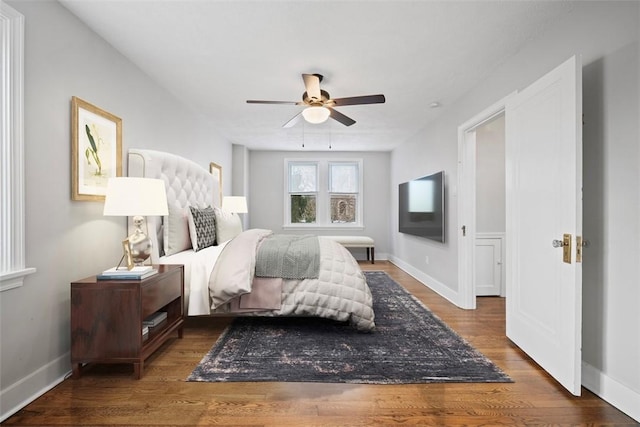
(421, 210)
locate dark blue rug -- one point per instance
(409, 345)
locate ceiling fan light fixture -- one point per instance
(316, 115)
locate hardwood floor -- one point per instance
(107, 395)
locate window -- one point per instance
(344, 188)
(323, 193)
(12, 253)
(303, 192)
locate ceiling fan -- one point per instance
(320, 105)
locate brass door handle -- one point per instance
(565, 244)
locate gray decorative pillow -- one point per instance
(176, 231)
(202, 227)
(228, 225)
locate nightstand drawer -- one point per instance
(158, 293)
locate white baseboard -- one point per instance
(21, 393)
(610, 390)
(433, 284)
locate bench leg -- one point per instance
(372, 255)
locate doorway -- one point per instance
(481, 208)
(543, 219)
(490, 235)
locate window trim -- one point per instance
(12, 213)
(323, 216)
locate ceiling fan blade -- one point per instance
(293, 121)
(312, 84)
(255, 101)
(335, 115)
(358, 100)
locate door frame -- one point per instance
(467, 201)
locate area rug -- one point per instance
(409, 345)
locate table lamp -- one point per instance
(235, 204)
(136, 197)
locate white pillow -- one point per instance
(202, 227)
(228, 225)
(176, 231)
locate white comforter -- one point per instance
(197, 270)
(340, 292)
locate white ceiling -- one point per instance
(214, 55)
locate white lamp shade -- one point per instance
(316, 115)
(130, 196)
(235, 204)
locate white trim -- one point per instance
(612, 391)
(12, 218)
(316, 227)
(503, 239)
(467, 202)
(323, 195)
(435, 285)
(20, 394)
(466, 216)
(14, 279)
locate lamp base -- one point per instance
(140, 243)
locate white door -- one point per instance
(488, 255)
(544, 202)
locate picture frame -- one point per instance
(216, 171)
(96, 150)
(128, 258)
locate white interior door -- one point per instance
(544, 201)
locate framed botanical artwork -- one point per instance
(216, 171)
(96, 150)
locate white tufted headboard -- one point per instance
(187, 184)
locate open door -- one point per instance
(544, 222)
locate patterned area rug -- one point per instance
(410, 345)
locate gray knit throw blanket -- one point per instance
(289, 257)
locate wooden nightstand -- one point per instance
(107, 315)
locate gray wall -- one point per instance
(267, 194)
(67, 240)
(605, 34)
(240, 178)
(490, 177)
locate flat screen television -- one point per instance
(421, 207)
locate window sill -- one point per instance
(321, 227)
(14, 279)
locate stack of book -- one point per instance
(145, 332)
(155, 319)
(122, 273)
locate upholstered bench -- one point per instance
(356, 242)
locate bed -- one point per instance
(221, 277)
